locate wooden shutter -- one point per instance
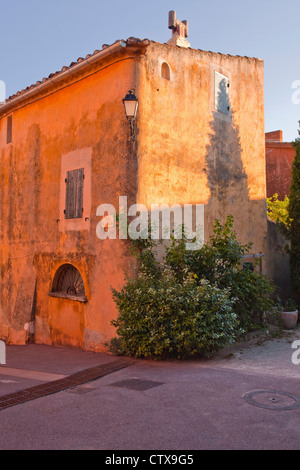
(9, 130)
(74, 194)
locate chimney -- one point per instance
(179, 31)
(274, 136)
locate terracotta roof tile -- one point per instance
(53, 74)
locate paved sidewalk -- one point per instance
(262, 356)
(245, 398)
(30, 365)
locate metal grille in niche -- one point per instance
(69, 281)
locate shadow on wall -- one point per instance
(227, 179)
(229, 194)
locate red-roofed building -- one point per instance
(279, 160)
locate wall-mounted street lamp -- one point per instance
(131, 105)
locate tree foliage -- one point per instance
(278, 211)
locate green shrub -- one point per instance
(254, 293)
(193, 302)
(221, 262)
(173, 319)
(277, 211)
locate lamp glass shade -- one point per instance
(131, 105)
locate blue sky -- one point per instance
(39, 37)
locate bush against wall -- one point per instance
(191, 303)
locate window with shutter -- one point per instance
(9, 130)
(74, 194)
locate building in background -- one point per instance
(279, 161)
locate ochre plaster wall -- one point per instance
(82, 124)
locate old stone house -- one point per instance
(66, 148)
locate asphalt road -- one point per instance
(247, 401)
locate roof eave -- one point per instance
(42, 87)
